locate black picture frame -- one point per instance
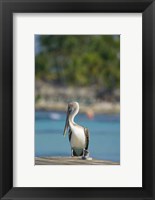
(7, 8)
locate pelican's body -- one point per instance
(78, 139)
(78, 135)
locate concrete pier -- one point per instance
(71, 161)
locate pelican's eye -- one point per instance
(70, 109)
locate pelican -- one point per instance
(78, 135)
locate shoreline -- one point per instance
(71, 161)
(96, 108)
(56, 97)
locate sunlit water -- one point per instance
(104, 135)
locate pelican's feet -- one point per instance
(85, 154)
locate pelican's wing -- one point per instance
(86, 131)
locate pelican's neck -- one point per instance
(72, 116)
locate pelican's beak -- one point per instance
(67, 122)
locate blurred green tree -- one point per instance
(81, 60)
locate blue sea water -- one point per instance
(104, 135)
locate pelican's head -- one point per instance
(73, 107)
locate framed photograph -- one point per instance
(77, 99)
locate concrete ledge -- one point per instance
(71, 161)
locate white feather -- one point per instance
(78, 137)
